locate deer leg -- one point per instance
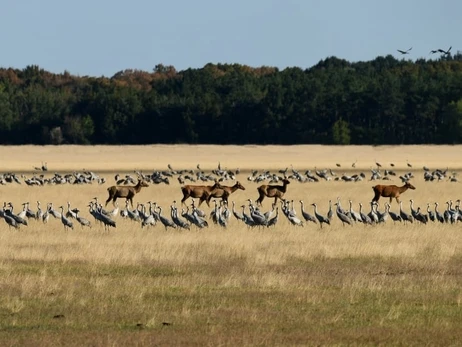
(207, 199)
(260, 199)
(108, 199)
(185, 196)
(397, 199)
(391, 199)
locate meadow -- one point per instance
(388, 284)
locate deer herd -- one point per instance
(191, 215)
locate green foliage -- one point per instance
(6, 113)
(383, 101)
(341, 133)
(451, 129)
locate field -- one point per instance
(388, 284)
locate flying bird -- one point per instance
(404, 52)
(445, 52)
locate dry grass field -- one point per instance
(355, 285)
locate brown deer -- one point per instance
(390, 191)
(272, 191)
(224, 192)
(200, 192)
(127, 192)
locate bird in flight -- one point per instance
(404, 52)
(445, 52)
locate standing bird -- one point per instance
(275, 219)
(83, 221)
(404, 52)
(165, 221)
(330, 213)
(364, 217)
(308, 217)
(236, 214)
(319, 217)
(343, 217)
(404, 216)
(66, 222)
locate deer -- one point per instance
(272, 191)
(127, 192)
(200, 192)
(224, 192)
(390, 191)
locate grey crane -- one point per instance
(420, 217)
(439, 50)
(165, 221)
(403, 52)
(330, 212)
(372, 214)
(199, 221)
(66, 222)
(149, 220)
(404, 216)
(17, 218)
(321, 219)
(95, 211)
(39, 213)
(236, 214)
(199, 212)
(83, 221)
(383, 216)
(343, 217)
(308, 217)
(394, 216)
(46, 216)
(257, 217)
(53, 212)
(431, 214)
(71, 213)
(176, 219)
(269, 214)
(29, 212)
(353, 214)
(438, 215)
(273, 221)
(10, 221)
(188, 216)
(247, 219)
(364, 217)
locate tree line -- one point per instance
(382, 101)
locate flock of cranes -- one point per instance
(251, 215)
(187, 217)
(433, 51)
(184, 176)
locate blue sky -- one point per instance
(102, 37)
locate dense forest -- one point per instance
(383, 101)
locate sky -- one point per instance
(103, 37)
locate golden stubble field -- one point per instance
(382, 285)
